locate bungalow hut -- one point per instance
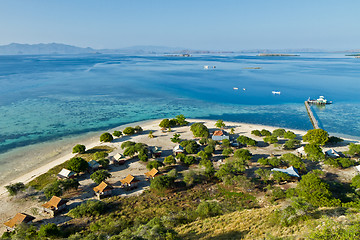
(93, 165)
(152, 173)
(118, 159)
(17, 220)
(54, 206)
(65, 173)
(291, 171)
(155, 151)
(219, 136)
(178, 149)
(103, 190)
(333, 153)
(129, 182)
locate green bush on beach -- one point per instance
(79, 148)
(106, 137)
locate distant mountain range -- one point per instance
(58, 48)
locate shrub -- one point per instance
(176, 138)
(165, 123)
(169, 160)
(99, 176)
(209, 149)
(13, 189)
(180, 157)
(154, 164)
(129, 131)
(127, 144)
(192, 147)
(117, 133)
(203, 141)
(220, 124)
(289, 135)
(279, 132)
(49, 230)
(90, 208)
(265, 132)
(314, 152)
(208, 209)
(68, 184)
(354, 149)
(246, 141)
(340, 162)
(161, 183)
(53, 189)
(294, 161)
(104, 162)
(79, 148)
(77, 164)
(316, 136)
(191, 177)
(291, 144)
(225, 143)
(256, 133)
(242, 154)
(138, 129)
(270, 139)
(280, 176)
(189, 160)
(204, 155)
(355, 181)
(199, 130)
(143, 157)
(227, 152)
(106, 137)
(264, 174)
(99, 155)
(181, 120)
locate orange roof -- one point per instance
(54, 202)
(18, 219)
(128, 179)
(102, 187)
(152, 172)
(218, 133)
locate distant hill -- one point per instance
(42, 48)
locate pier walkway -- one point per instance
(311, 116)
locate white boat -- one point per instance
(235, 88)
(276, 92)
(244, 89)
(206, 67)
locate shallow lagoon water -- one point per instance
(47, 98)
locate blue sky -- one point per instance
(196, 24)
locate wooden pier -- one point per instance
(313, 120)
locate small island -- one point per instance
(276, 55)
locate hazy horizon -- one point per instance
(209, 25)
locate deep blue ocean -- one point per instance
(45, 98)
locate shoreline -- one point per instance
(91, 140)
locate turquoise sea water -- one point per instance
(45, 98)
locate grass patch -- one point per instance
(89, 154)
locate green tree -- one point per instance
(169, 160)
(129, 131)
(265, 132)
(279, 132)
(225, 143)
(151, 135)
(354, 149)
(53, 189)
(68, 184)
(106, 137)
(227, 152)
(117, 133)
(315, 191)
(232, 131)
(314, 152)
(154, 164)
(192, 147)
(280, 176)
(13, 189)
(294, 161)
(130, 151)
(165, 123)
(243, 154)
(204, 155)
(189, 160)
(316, 136)
(199, 130)
(334, 140)
(191, 177)
(180, 157)
(208, 209)
(264, 174)
(209, 149)
(161, 183)
(246, 141)
(79, 148)
(138, 129)
(176, 138)
(355, 181)
(104, 162)
(220, 124)
(77, 164)
(127, 144)
(49, 230)
(289, 135)
(256, 133)
(291, 144)
(90, 208)
(100, 175)
(270, 139)
(181, 120)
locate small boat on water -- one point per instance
(235, 88)
(244, 89)
(321, 101)
(207, 66)
(276, 92)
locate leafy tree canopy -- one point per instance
(354, 149)
(265, 132)
(270, 139)
(154, 164)
(53, 189)
(127, 144)
(242, 154)
(279, 132)
(161, 183)
(165, 123)
(169, 160)
(181, 120)
(291, 144)
(314, 152)
(106, 137)
(117, 133)
(129, 131)
(100, 175)
(13, 189)
(199, 130)
(220, 124)
(77, 164)
(256, 133)
(79, 148)
(316, 136)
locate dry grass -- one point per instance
(246, 224)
